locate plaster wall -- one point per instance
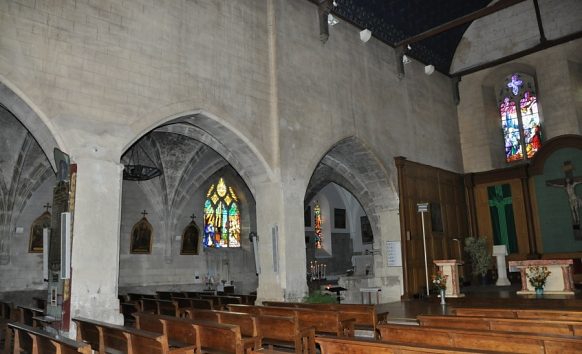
(558, 86)
(515, 29)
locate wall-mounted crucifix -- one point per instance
(569, 184)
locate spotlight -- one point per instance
(334, 3)
(405, 59)
(331, 20)
(429, 69)
(408, 47)
(365, 35)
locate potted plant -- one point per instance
(476, 247)
(317, 297)
(537, 277)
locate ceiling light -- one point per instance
(335, 3)
(331, 20)
(429, 69)
(405, 59)
(365, 35)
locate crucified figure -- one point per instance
(569, 184)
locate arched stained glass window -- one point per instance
(221, 217)
(520, 119)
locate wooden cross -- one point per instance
(499, 202)
(569, 183)
(144, 213)
(47, 206)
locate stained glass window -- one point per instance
(317, 228)
(221, 217)
(521, 127)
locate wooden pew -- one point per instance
(6, 315)
(25, 314)
(137, 297)
(334, 345)
(184, 302)
(285, 331)
(181, 333)
(127, 310)
(40, 342)
(365, 316)
(104, 337)
(246, 322)
(509, 342)
(148, 305)
(571, 315)
(324, 322)
(550, 327)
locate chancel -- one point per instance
(174, 172)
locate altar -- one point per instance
(560, 280)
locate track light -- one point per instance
(331, 20)
(405, 59)
(365, 35)
(429, 69)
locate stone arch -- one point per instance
(350, 164)
(230, 143)
(15, 102)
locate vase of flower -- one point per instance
(537, 277)
(439, 281)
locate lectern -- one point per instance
(500, 251)
(450, 268)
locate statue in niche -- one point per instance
(35, 244)
(141, 236)
(190, 238)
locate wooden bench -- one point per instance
(35, 341)
(104, 337)
(25, 314)
(324, 322)
(285, 331)
(6, 315)
(571, 315)
(246, 322)
(137, 297)
(365, 316)
(181, 333)
(185, 302)
(509, 342)
(567, 328)
(334, 345)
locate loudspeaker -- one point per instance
(65, 245)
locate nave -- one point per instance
(489, 319)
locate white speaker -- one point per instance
(65, 245)
(46, 234)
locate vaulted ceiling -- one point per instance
(395, 21)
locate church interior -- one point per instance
(290, 176)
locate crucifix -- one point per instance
(515, 84)
(192, 217)
(498, 201)
(569, 183)
(47, 206)
(144, 213)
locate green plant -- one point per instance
(317, 297)
(476, 247)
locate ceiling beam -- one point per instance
(498, 6)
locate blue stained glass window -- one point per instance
(521, 126)
(221, 217)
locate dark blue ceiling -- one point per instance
(392, 21)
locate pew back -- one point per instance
(219, 337)
(572, 315)
(44, 343)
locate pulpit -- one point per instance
(560, 280)
(499, 252)
(449, 267)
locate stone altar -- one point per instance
(560, 280)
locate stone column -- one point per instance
(281, 243)
(95, 248)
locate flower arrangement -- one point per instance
(439, 280)
(537, 275)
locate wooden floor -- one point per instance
(489, 296)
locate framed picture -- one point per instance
(436, 217)
(141, 237)
(190, 239)
(366, 229)
(35, 244)
(339, 218)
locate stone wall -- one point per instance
(515, 29)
